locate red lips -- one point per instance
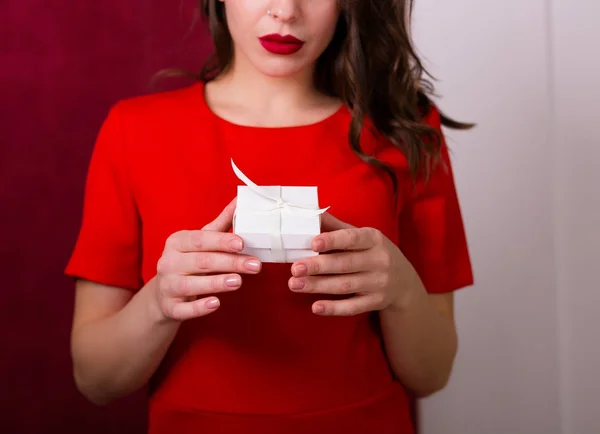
(279, 44)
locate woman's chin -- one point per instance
(281, 68)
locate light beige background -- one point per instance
(528, 72)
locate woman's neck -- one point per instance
(245, 95)
(251, 86)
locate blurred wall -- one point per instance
(64, 64)
(576, 140)
(527, 73)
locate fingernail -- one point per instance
(233, 281)
(236, 245)
(297, 284)
(300, 270)
(253, 265)
(318, 245)
(318, 309)
(213, 303)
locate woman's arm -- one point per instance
(420, 339)
(118, 339)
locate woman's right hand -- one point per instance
(197, 264)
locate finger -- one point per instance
(334, 263)
(224, 221)
(205, 241)
(180, 311)
(190, 286)
(215, 262)
(345, 239)
(331, 223)
(348, 307)
(336, 285)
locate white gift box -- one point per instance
(277, 223)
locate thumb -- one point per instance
(330, 223)
(224, 221)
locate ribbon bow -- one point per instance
(279, 203)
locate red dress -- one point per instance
(263, 363)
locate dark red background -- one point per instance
(64, 63)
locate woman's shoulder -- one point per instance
(145, 129)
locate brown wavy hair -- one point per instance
(372, 66)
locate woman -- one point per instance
(301, 92)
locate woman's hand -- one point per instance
(358, 262)
(196, 264)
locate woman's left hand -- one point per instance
(358, 262)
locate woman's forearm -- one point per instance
(117, 355)
(420, 341)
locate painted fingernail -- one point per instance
(252, 265)
(300, 270)
(318, 309)
(233, 281)
(213, 303)
(236, 245)
(297, 284)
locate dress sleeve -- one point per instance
(431, 233)
(108, 249)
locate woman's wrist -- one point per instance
(154, 313)
(409, 294)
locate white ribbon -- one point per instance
(281, 206)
